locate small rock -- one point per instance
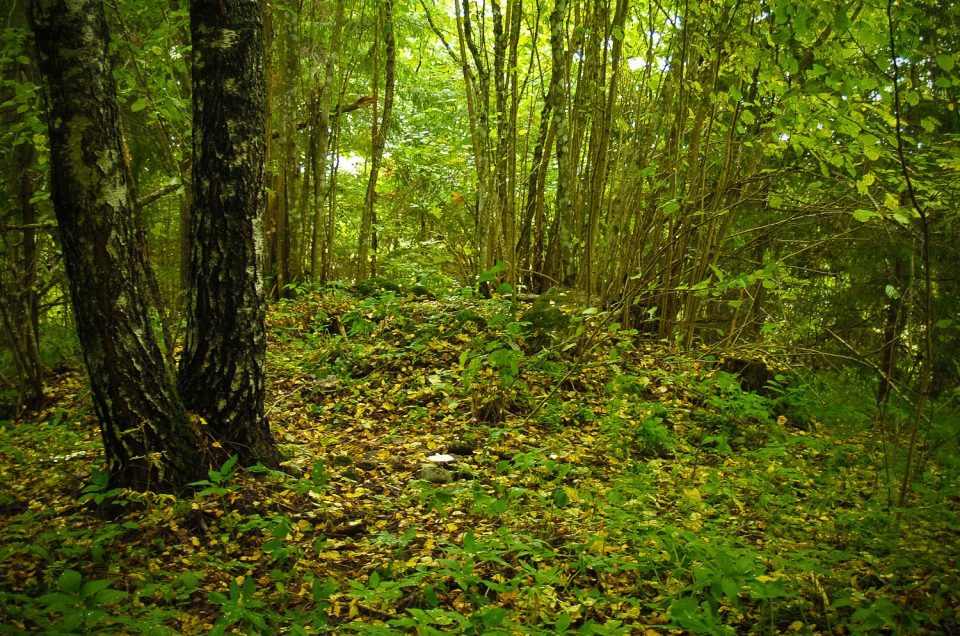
(461, 448)
(435, 475)
(395, 462)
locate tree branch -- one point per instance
(338, 110)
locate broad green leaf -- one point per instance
(670, 207)
(945, 62)
(560, 498)
(494, 616)
(841, 22)
(91, 588)
(70, 581)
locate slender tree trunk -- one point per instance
(479, 131)
(893, 325)
(147, 436)
(530, 256)
(601, 154)
(222, 366)
(367, 236)
(554, 257)
(321, 246)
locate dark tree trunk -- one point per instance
(222, 367)
(531, 258)
(148, 438)
(19, 282)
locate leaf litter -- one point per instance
(448, 473)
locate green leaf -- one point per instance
(494, 616)
(138, 105)
(560, 498)
(943, 324)
(57, 599)
(228, 465)
(492, 273)
(945, 62)
(106, 597)
(321, 590)
(765, 590)
(841, 22)
(70, 581)
(731, 588)
(469, 543)
(92, 588)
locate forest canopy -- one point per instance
(780, 174)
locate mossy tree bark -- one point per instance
(222, 368)
(148, 438)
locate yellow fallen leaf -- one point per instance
(693, 494)
(796, 626)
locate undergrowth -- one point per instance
(454, 468)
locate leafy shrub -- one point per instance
(637, 429)
(80, 606)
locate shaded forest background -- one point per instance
(775, 176)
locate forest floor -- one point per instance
(453, 469)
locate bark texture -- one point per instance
(368, 236)
(148, 438)
(222, 368)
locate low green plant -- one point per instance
(99, 490)
(636, 429)
(217, 482)
(276, 545)
(79, 606)
(241, 610)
